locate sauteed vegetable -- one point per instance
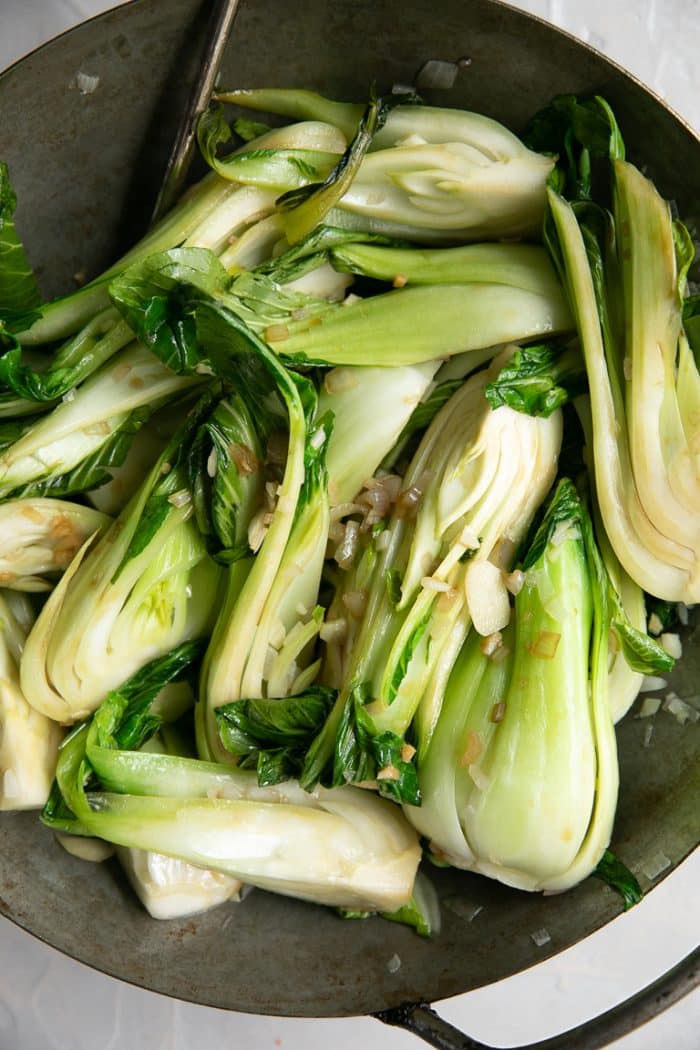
(329, 510)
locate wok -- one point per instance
(86, 169)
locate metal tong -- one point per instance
(218, 30)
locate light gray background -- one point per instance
(48, 1001)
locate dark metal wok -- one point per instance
(86, 169)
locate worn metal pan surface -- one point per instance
(86, 168)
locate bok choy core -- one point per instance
(287, 534)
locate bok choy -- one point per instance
(28, 739)
(287, 530)
(520, 779)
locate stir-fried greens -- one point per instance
(327, 513)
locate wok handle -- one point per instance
(422, 1021)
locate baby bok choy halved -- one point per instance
(345, 847)
(147, 585)
(446, 302)
(423, 321)
(278, 522)
(267, 626)
(625, 274)
(520, 777)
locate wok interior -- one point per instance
(86, 169)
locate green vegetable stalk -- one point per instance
(520, 778)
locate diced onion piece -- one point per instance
(400, 281)
(514, 581)
(650, 705)
(681, 711)
(473, 749)
(339, 380)
(432, 583)
(243, 458)
(211, 463)
(487, 597)
(491, 643)
(276, 333)
(317, 438)
(355, 602)
(407, 752)
(655, 625)
(469, 539)
(563, 531)
(347, 548)
(389, 773)
(651, 683)
(180, 499)
(257, 530)
(501, 654)
(86, 83)
(545, 645)
(540, 937)
(672, 644)
(498, 712)
(653, 867)
(394, 964)
(334, 630)
(277, 634)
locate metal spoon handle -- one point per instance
(222, 16)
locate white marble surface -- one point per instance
(48, 1001)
